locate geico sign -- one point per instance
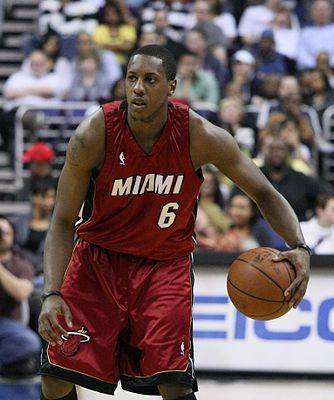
(322, 324)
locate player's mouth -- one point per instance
(138, 104)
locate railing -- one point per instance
(58, 113)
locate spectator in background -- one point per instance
(196, 42)
(256, 19)
(39, 157)
(165, 34)
(31, 229)
(286, 31)
(211, 221)
(245, 231)
(321, 95)
(267, 89)
(179, 17)
(279, 125)
(232, 117)
(114, 33)
(268, 61)
(161, 24)
(50, 45)
(318, 37)
(299, 189)
(89, 84)
(19, 346)
(35, 85)
(224, 20)
(203, 21)
(194, 84)
(290, 104)
(319, 230)
(67, 17)
(242, 67)
(109, 66)
(159, 37)
(322, 64)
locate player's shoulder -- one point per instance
(87, 145)
(202, 128)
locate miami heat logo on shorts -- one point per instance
(73, 341)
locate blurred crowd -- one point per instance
(233, 57)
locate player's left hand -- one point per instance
(300, 259)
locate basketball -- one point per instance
(256, 284)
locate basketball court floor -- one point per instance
(242, 390)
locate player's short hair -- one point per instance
(167, 58)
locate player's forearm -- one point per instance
(57, 253)
(280, 215)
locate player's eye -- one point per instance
(150, 79)
(131, 78)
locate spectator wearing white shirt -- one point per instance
(256, 19)
(224, 20)
(34, 85)
(318, 37)
(67, 17)
(319, 230)
(50, 44)
(286, 32)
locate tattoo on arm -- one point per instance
(74, 148)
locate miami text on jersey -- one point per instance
(156, 183)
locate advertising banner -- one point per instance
(300, 341)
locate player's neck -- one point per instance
(149, 128)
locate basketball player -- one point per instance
(118, 306)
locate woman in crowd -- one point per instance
(321, 95)
(114, 33)
(246, 231)
(212, 220)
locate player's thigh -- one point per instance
(161, 320)
(171, 391)
(54, 388)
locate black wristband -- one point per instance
(45, 295)
(305, 247)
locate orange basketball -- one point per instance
(256, 284)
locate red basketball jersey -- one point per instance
(144, 204)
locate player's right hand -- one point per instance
(48, 324)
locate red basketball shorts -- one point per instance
(132, 321)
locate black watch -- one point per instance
(305, 247)
(45, 295)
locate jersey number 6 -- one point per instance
(167, 215)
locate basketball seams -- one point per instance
(265, 274)
(274, 251)
(254, 316)
(251, 295)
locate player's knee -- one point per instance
(171, 391)
(53, 388)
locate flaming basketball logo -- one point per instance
(73, 341)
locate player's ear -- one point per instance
(172, 87)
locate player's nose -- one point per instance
(138, 87)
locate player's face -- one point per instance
(147, 87)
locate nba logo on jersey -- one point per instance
(122, 158)
(182, 349)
